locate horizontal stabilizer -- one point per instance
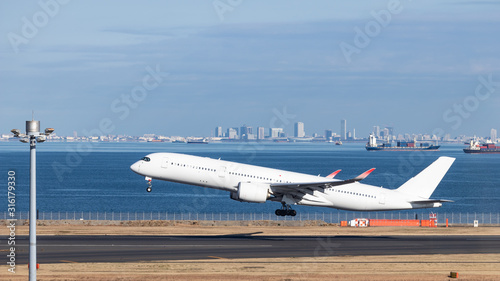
(432, 201)
(332, 175)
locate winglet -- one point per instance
(363, 175)
(332, 175)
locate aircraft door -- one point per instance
(222, 172)
(381, 199)
(164, 162)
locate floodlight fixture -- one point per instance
(32, 136)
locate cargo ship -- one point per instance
(400, 146)
(198, 141)
(476, 147)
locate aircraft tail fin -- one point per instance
(424, 184)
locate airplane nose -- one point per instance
(136, 167)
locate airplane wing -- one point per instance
(311, 186)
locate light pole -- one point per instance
(32, 136)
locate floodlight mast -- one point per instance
(32, 135)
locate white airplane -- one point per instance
(249, 183)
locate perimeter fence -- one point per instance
(327, 217)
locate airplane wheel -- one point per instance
(292, 213)
(281, 213)
(148, 189)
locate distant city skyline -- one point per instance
(184, 67)
(346, 133)
(246, 132)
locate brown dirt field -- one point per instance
(426, 267)
(410, 267)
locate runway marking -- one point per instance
(338, 262)
(483, 239)
(165, 246)
(68, 261)
(215, 257)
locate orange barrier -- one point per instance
(394, 223)
(428, 223)
(343, 223)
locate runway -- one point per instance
(79, 248)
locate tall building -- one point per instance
(232, 133)
(260, 133)
(328, 134)
(275, 132)
(218, 132)
(245, 132)
(299, 130)
(390, 130)
(353, 134)
(493, 135)
(343, 129)
(376, 131)
(385, 133)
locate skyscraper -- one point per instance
(385, 133)
(232, 133)
(299, 130)
(218, 132)
(390, 131)
(376, 131)
(343, 129)
(493, 135)
(260, 133)
(328, 134)
(275, 132)
(245, 132)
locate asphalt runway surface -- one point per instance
(110, 248)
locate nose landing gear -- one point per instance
(148, 189)
(286, 210)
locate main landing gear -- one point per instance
(148, 189)
(286, 210)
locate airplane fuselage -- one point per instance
(229, 176)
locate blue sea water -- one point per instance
(96, 176)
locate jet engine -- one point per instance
(251, 192)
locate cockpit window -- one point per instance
(147, 159)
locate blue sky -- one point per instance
(184, 67)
